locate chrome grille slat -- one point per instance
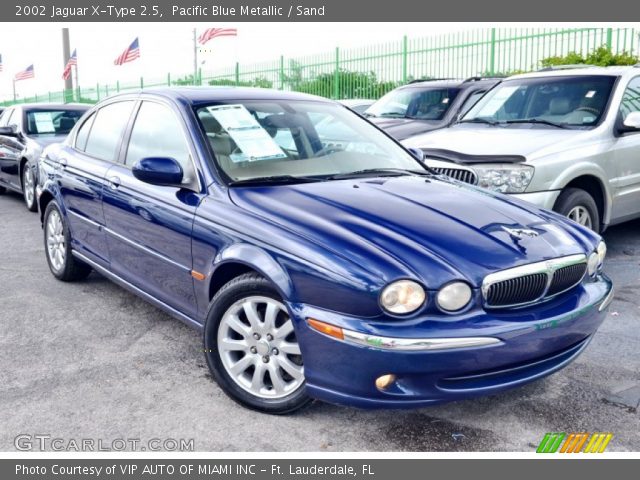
(460, 174)
(527, 284)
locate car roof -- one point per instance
(452, 82)
(200, 95)
(52, 106)
(569, 71)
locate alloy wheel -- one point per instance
(258, 348)
(581, 215)
(56, 244)
(28, 186)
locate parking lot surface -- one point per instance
(89, 360)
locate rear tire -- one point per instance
(579, 206)
(251, 348)
(57, 246)
(29, 188)
(3, 190)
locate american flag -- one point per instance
(73, 60)
(210, 33)
(130, 54)
(26, 73)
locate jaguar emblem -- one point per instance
(520, 233)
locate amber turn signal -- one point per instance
(326, 328)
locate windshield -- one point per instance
(415, 103)
(259, 139)
(578, 101)
(56, 122)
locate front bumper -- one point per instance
(545, 199)
(526, 344)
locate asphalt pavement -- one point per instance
(90, 361)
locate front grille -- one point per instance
(533, 282)
(466, 176)
(516, 291)
(566, 277)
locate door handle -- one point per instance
(114, 182)
(63, 162)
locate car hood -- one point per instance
(489, 140)
(416, 227)
(44, 141)
(401, 128)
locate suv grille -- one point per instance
(534, 282)
(466, 176)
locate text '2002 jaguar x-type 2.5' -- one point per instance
(336, 269)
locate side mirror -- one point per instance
(632, 122)
(416, 152)
(10, 131)
(162, 171)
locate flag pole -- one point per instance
(195, 58)
(77, 89)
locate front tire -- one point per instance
(29, 188)
(251, 348)
(57, 247)
(579, 206)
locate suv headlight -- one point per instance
(403, 296)
(505, 178)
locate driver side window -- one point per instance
(630, 99)
(158, 133)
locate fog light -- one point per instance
(385, 381)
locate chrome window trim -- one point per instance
(548, 267)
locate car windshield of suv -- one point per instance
(52, 122)
(551, 102)
(415, 103)
(299, 141)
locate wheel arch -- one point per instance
(595, 187)
(239, 259)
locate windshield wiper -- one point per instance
(274, 180)
(479, 120)
(378, 172)
(539, 121)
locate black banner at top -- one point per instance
(317, 11)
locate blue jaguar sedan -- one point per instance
(339, 269)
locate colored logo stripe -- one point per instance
(550, 443)
(574, 442)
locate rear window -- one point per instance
(53, 122)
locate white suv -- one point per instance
(567, 140)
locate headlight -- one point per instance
(602, 253)
(505, 178)
(403, 296)
(592, 264)
(454, 296)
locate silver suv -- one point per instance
(567, 140)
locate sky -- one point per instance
(168, 47)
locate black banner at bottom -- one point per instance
(372, 469)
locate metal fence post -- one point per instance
(336, 76)
(237, 73)
(281, 72)
(169, 79)
(492, 53)
(141, 82)
(118, 86)
(404, 59)
(609, 38)
(98, 91)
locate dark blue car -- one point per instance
(338, 270)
